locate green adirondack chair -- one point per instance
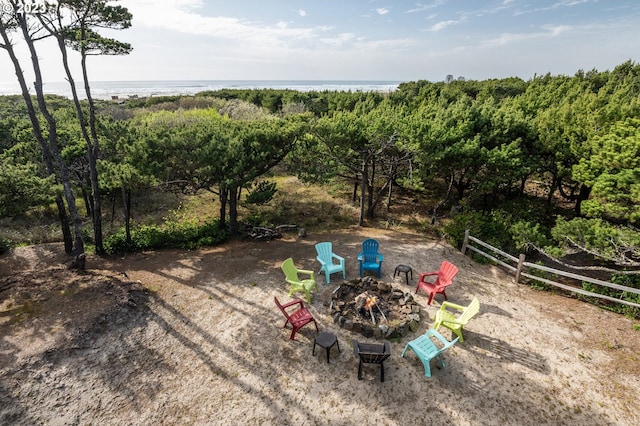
(453, 322)
(426, 350)
(292, 275)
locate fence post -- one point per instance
(520, 266)
(465, 242)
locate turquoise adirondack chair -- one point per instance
(326, 257)
(369, 258)
(292, 276)
(445, 317)
(426, 350)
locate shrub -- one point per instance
(509, 228)
(181, 235)
(5, 245)
(632, 281)
(262, 193)
(492, 228)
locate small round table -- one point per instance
(406, 269)
(325, 340)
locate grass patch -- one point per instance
(309, 206)
(155, 211)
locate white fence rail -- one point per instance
(519, 264)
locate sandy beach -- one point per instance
(194, 338)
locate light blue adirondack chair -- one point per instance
(426, 349)
(369, 258)
(326, 257)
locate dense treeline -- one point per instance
(504, 157)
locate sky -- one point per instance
(391, 40)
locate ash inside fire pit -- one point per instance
(374, 309)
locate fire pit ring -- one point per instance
(374, 309)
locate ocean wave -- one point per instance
(125, 89)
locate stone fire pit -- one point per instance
(374, 309)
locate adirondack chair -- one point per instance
(449, 320)
(298, 318)
(426, 350)
(369, 258)
(371, 353)
(326, 257)
(292, 276)
(444, 278)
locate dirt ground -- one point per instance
(194, 337)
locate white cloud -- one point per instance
(422, 7)
(182, 16)
(339, 40)
(439, 26)
(555, 6)
(188, 39)
(569, 3)
(556, 30)
(510, 38)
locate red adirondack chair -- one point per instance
(444, 278)
(297, 318)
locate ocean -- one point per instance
(125, 89)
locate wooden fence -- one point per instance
(518, 265)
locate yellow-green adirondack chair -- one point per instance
(449, 320)
(298, 284)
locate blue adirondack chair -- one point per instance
(369, 258)
(426, 349)
(326, 257)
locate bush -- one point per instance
(632, 281)
(5, 245)
(492, 228)
(506, 228)
(262, 193)
(183, 235)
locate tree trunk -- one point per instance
(363, 189)
(390, 189)
(555, 181)
(584, 193)
(354, 196)
(91, 141)
(460, 187)
(87, 201)
(64, 224)
(78, 242)
(126, 203)
(523, 184)
(93, 150)
(233, 211)
(370, 188)
(378, 195)
(113, 207)
(37, 132)
(222, 223)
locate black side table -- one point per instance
(325, 340)
(406, 269)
